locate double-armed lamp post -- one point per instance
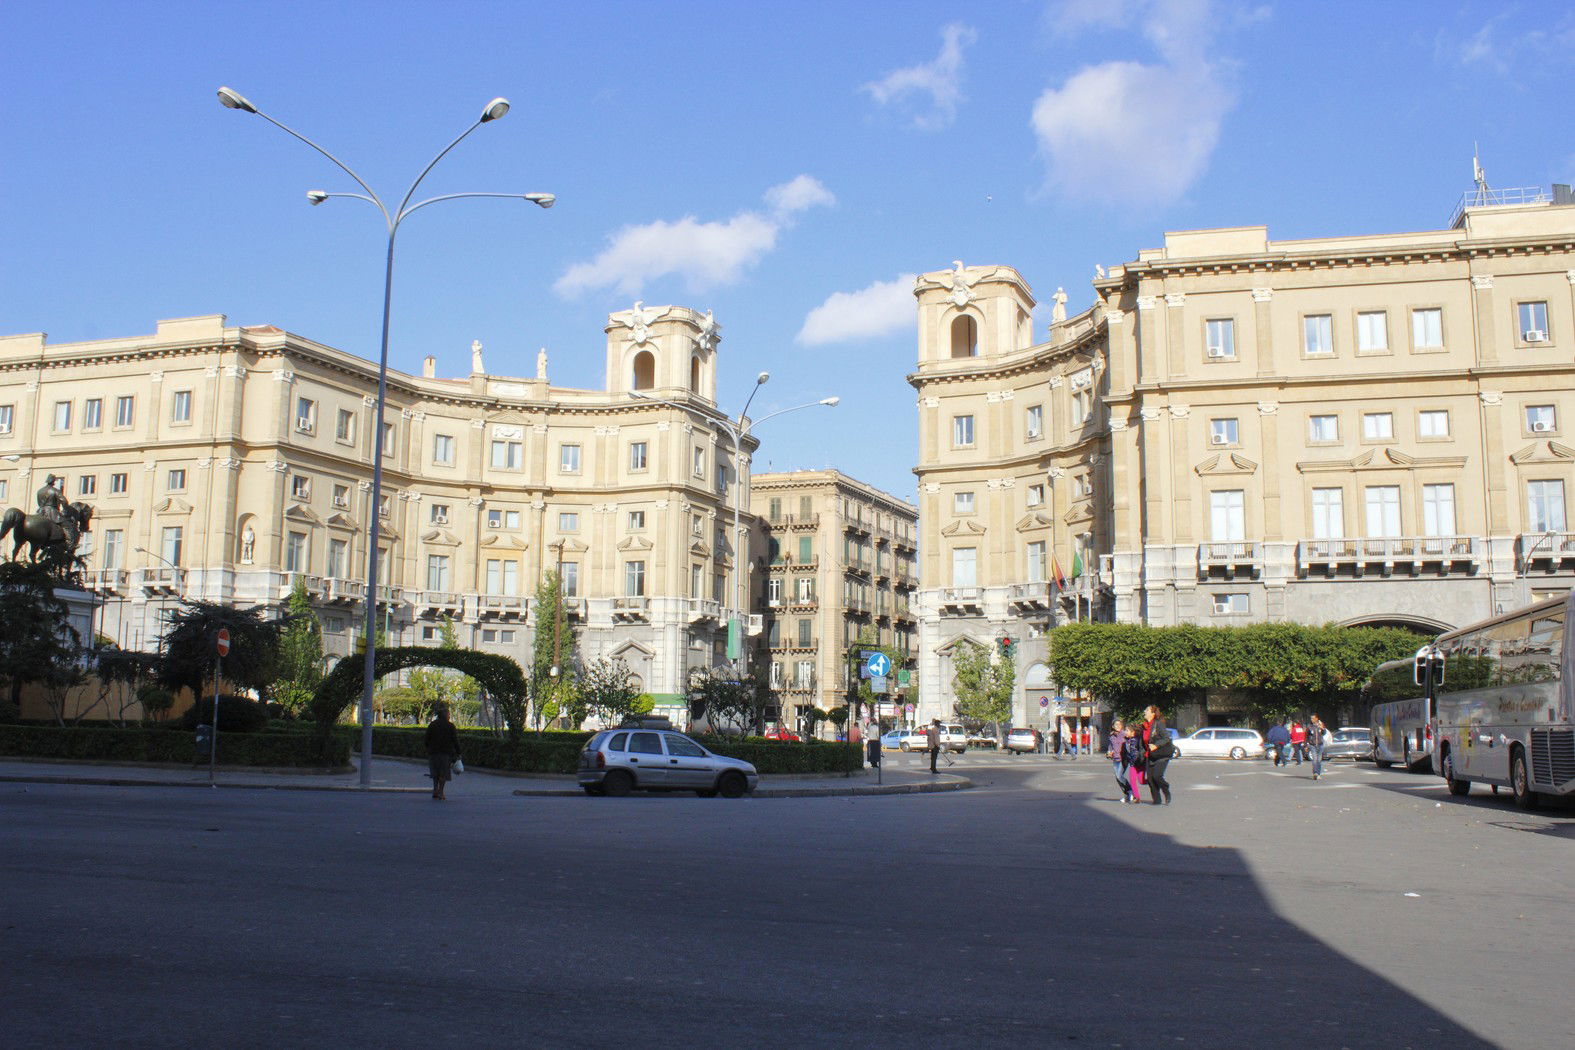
(392, 219)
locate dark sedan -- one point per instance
(1354, 743)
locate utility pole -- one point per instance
(556, 672)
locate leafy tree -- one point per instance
(607, 686)
(125, 678)
(300, 653)
(983, 687)
(725, 699)
(549, 612)
(188, 659)
(38, 643)
(643, 704)
(401, 704)
(812, 717)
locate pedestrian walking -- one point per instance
(1298, 740)
(442, 751)
(1134, 761)
(1317, 737)
(1118, 762)
(932, 739)
(1158, 748)
(1279, 739)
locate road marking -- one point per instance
(1205, 787)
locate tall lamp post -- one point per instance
(494, 109)
(736, 432)
(174, 582)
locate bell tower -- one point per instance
(662, 349)
(972, 311)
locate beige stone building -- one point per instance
(229, 462)
(838, 565)
(1357, 430)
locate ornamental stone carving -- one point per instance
(1491, 397)
(1268, 408)
(284, 375)
(1175, 298)
(1180, 411)
(1262, 295)
(1145, 302)
(1482, 281)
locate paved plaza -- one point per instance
(1262, 909)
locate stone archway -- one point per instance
(1404, 621)
(500, 676)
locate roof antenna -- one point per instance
(1479, 176)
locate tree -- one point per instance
(545, 688)
(300, 653)
(984, 687)
(607, 686)
(726, 700)
(866, 643)
(812, 717)
(38, 643)
(188, 659)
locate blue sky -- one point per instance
(788, 166)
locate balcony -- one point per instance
(701, 609)
(1548, 551)
(859, 566)
(857, 526)
(786, 562)
(435, 604)
(799, 522)
(504, 608)
(856, 605)
(314, 584)
(802, 644)
(961, 601)
(904, 614)
(1384, 556)
(340, 591)
(107, 581)
(905, 579)
(389, 595)
(632, 608)
(1029, 597)
(1229, 560)
(162, 580)
(803, 603)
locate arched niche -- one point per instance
(644, 377)
(965, 336)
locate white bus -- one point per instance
(1400, 716)
(1501, 692)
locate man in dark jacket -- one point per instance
(932, 740)
(1156, 741)
(1279, 739)
(1117, 762)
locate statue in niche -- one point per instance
(541, 363)
(1058, 311)
(248, 545)
(475, 357)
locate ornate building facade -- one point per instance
(228, 463)
(1356, 430)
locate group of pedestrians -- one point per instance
(1140, 754)
(1296, 742)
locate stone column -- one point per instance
(1263, 330)
(1482, 308)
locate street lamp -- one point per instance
(736, 433)
(492, 111)
(174, 582)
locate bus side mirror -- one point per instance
(1438, 670)
(1419, 671)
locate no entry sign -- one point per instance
(221, 641)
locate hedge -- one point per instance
(169, 745)
(786, 756)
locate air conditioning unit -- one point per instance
(303, 425)
(340, 501)
(440, 519)
(1535, 336)
(774, 603)
(494, 524)
(1221, 608)
(1219, 439)
(1216, 351)
(1541, 427)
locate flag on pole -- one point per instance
(1056, 574)
(1077, 564)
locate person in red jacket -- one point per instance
(1299, 741)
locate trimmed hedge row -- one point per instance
(169, 745)
(786, 756)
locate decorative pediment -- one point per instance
(172, 505)
(570, 545)
(1225, 463)
(509, 419)
(340, 521)
(503, 541)
(635, 543)
(632, 648)
(1031, 521)
(963, 527)
(302, 513)
(1540, 452)
(1381, 459)
(440, 538)
(1079, 513)
(699, 549)
(958, 640)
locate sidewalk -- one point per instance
(405, 776)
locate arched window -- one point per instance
(644, 370)
(965, 337)
(694, 375)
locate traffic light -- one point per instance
(1006, 644)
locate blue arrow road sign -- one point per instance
(878, 665)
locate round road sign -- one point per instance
(221, 641)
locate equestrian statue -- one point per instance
(53, 532)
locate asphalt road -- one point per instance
(1261, 909)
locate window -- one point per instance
(180, 407)
(774, 510)
(334, 624)
(1036, 495)
(177, 480)
(803, 675)
(774, 591)
(696, 525)
(385, 503)
(569, 459)
(1232, 603)
(571, 579)
(1378, 426)
(721, 479)
(1427, 328)
(506, 455)
(804, 639)
(806, 550)
(636, 520)
(1227, 516)
(1533, 322)
(1223, 431)
(305, 415)
(637, 455)
(806, 588)
(170, 543)
(498, 636)
(806, 507)
(965, 567)
(1036, 561)
(696, 580)
(568, 521)
(7, 416)
(962, 503)
(125, 411)
(87, 484)
(443, 449)
(634, 579)
(1432, 423)
(114, 548)
(503, 576)
(774, 634)
(1082, 407)
(697, 461)
(300, 486)
(62, 415)
(295, 552)
(1383, 511)
(1372, 331)
(1541, 419)
(92, 414)
(1034, 422)
(1545, 506)
(1323, 429)
(439, 514)
(776, 675)
(1220, 337)
(344, 425)
(341, 495)
(437, 572)
(388, 439)
(503, 519)
(338, 558)
(118, 484)
(1328, 509)
(1317, 335)
(962, 431)
(1438, 510)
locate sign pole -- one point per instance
(221, 648)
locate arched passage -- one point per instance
(965, 337)
(644, 370)
(499, 676)
(694, 375)
(1405, 621)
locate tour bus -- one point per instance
(1501, 703)
(1400, 716)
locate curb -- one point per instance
(952, 782)
(13, 778)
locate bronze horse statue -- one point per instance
(44, 534)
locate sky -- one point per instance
(789, 166)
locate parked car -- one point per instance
(618, 761)
(1020, 741)
(981, 739)
(904, 740)
(1352, 742)
(954, 737)
(1221, 742)
(778, 733)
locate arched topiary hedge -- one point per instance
(499, 676)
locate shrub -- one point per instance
(156, 700)
(237, 714)
(9, 712)
(785, 756)
(169, 745)
(553, 751)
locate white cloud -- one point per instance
(934, 89)
(705, 254)
(1504, 49)
(880, 309)
(1126, 131)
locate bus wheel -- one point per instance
(1456, 787)
(1519, 783)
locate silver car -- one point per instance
(618, 761)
